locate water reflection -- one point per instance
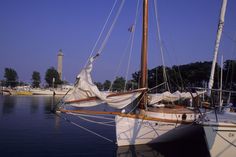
(31, 124)
(191, 144)
(34, 105)
(47, 101)
(138, 150)
(180, 148)
(8, 104)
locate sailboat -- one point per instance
(219, 124)
(144, 123)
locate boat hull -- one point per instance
(134, 131)
(221, 139)
(156, 125)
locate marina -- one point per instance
(29, 128)
(148, 106)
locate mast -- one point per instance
(217, 44)
(221, 79)
(143, 78)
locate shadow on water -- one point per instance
(8, 104)
(192, 144)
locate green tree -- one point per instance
(11, 77)
(106, 85)
(99, 85)
(131, 85)
(230, 74)
(179, 77)
(50, 74)
(36, 79)
(118, 84)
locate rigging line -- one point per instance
(120, 63)
(111, 28)
(92, 116)
(133, 29)
(160, 40)
(60, 101)
(156, 86)
(86, 129)
(229, 37)
(100, 35)
(176, 74)
(92, 121)
(232, 65)
(80, 116)
(137, 103)
(226, 139)
(101, 123)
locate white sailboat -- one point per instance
(220, 124)
(147, 124)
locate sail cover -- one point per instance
(86, 93)
(171, 97)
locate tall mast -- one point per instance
(217, 44)
(143, 79)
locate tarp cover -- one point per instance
(171, 97)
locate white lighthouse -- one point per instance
(59, 63)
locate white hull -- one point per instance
(41, 92)
(221, 136)
(139, 150)
(133, 131)
(49, 92)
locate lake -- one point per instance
(29, 128)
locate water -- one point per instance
(29, 128)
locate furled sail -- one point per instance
(86, 93)
(171, 97)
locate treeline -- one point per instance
(178, 77)
(12, 80)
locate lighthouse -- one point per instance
(59, 63)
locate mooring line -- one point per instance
(86, 129)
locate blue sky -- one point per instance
(32, 32)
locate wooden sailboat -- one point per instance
(147, 124)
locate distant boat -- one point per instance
(39, 91)
(5, 92)
(23, 93)
(18, 90)
(147, 124)
(53, 91)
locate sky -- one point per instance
(33, 31)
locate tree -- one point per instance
(99, 85)
(131, 85)
(50, 74)
(118, 84)
(36, 79)
(106, 85)
(179, 77)
(230, 74)
(11, 77)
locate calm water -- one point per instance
(29, 128)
